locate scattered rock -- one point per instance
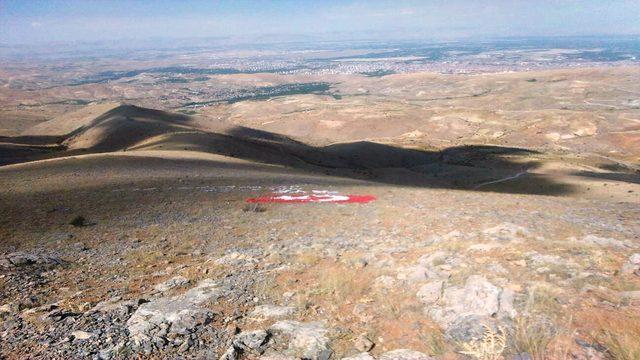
(171, 283)
(115, 303)
(434, 258)
(544, 259)
(185, 345)
(176, 316)
(363, 343)
(236, 259)
(277, 357)
(250, 340)
(483, 247)
(468, 327)
(43, 308)
(18, 259)
(111, 351)
(363, 312)
(8, 309)
(305, 340)
(478, 299)
(413, 274)
(431, 292)
(451, 236)
(594, 351)
(384, 282)
(438, 265)
(523, 356)
(360, 356)
(506, 303)
(245, 342)
(264, 312)
(361, 263)
(506, 232)
(230, 354)
(601, 241)
(404, 354)
(497, 268)
(612, 295)
(521, 262)
(81, 335)
(630, 295)
(632, 266)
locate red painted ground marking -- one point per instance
(304, 198)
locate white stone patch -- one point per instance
(171, 283)
(507, 232)
(264, 312)
(478, 298)
(179, 314)
(602, 241)
(305, 340)
(404, 354)
(235, 259)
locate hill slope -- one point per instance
(489, 168)
(137, 237)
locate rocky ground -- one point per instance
(133, 270)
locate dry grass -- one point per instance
(562, 346)
(543, 330)
(435, 342)
(254, 207)
(542, 339)
(532, 336)
(623, 283)
(543, 299)
(308, 259)
(617, 331)
(144, 258)
(489, 347)
(452, 246)
(333, 290)
(343, 283)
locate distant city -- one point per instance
(188, 76)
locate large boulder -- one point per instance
(477, 302)
(304, 340)
(170, 320)
(430, 292)
(250, 340)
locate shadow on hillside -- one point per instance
(124, 126)
(18, 149)
(18, 152)
(465, 167)
(479, 168)
(31, 140)
(628, 177)
(454, 168)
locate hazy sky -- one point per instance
(32, 21)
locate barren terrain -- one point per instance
(504, 225)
